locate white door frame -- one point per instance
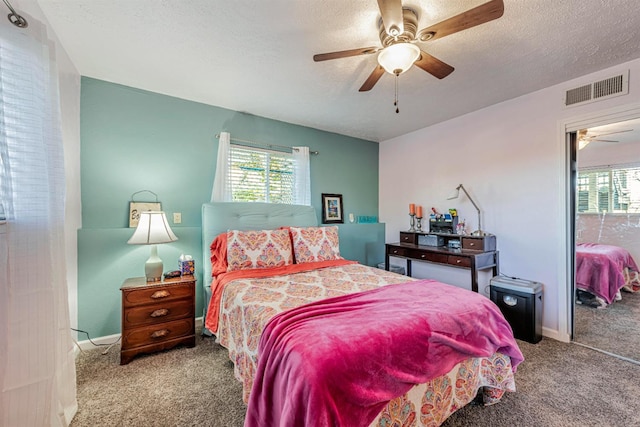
(573, 124)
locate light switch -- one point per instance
(177, 217)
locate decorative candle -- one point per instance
(412, 208)
(419, 213)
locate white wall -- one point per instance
(70, 110)
(511, 158)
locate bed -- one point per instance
(333, 342)
(603, 271)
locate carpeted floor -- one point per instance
(615, 329)
(558, 385)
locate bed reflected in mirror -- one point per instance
(607, 234)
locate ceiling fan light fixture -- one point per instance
(399, 57)
(583, 142)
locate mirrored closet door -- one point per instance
(607, 239)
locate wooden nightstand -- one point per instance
(157, 315)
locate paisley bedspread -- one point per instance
(248, 304)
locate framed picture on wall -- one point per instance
(136, 207)
(332, 209)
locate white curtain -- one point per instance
(37, 366)
(221, 184)
(301, 176)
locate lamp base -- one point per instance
(153, 267)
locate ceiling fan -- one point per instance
(399, 34)
(585, 139)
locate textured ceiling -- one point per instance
(256, 56)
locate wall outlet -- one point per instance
(177, 217)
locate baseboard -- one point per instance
(102, 341)
(109, 340)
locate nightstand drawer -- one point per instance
(158, 313)
(154, 334)
(460, 261)
(155, 294)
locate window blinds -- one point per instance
(613, 189)
(258, 175)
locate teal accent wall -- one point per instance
(134, 140)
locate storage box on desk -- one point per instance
(430, 240)
(520, 301)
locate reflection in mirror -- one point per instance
(607, 283)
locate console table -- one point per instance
(476, 253)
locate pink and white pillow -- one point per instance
(258, 249)
(311, 244)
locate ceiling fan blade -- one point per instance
(391, 11)
(345, 53)
(478, 15)
(433, 65)
(611, 133)
(372, 79)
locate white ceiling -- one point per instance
(256, 56)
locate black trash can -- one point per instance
(521, 304)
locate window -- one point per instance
(258, 175)
(610, 189)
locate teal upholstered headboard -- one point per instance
(220, 217)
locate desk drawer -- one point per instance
(428, 256)
(460, 261)
(408, 237)
(395, 251)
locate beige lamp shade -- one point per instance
(153, 229)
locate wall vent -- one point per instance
(596, 91)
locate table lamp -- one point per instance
(455, 195)
(153, 229)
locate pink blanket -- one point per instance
(339, 361)
(600, 269)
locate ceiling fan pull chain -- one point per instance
(396, 99)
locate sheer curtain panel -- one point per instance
(301, 176)
(37, 366)
(221, 184)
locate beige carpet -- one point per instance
(558, 385)
(615, 329)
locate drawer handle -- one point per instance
(458, 261)
(160, 312)
(161, 333)
(405, 238)
(472, 244)
(395, 251)
(423, 256)
(160, 294)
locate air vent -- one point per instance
(603, 89)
